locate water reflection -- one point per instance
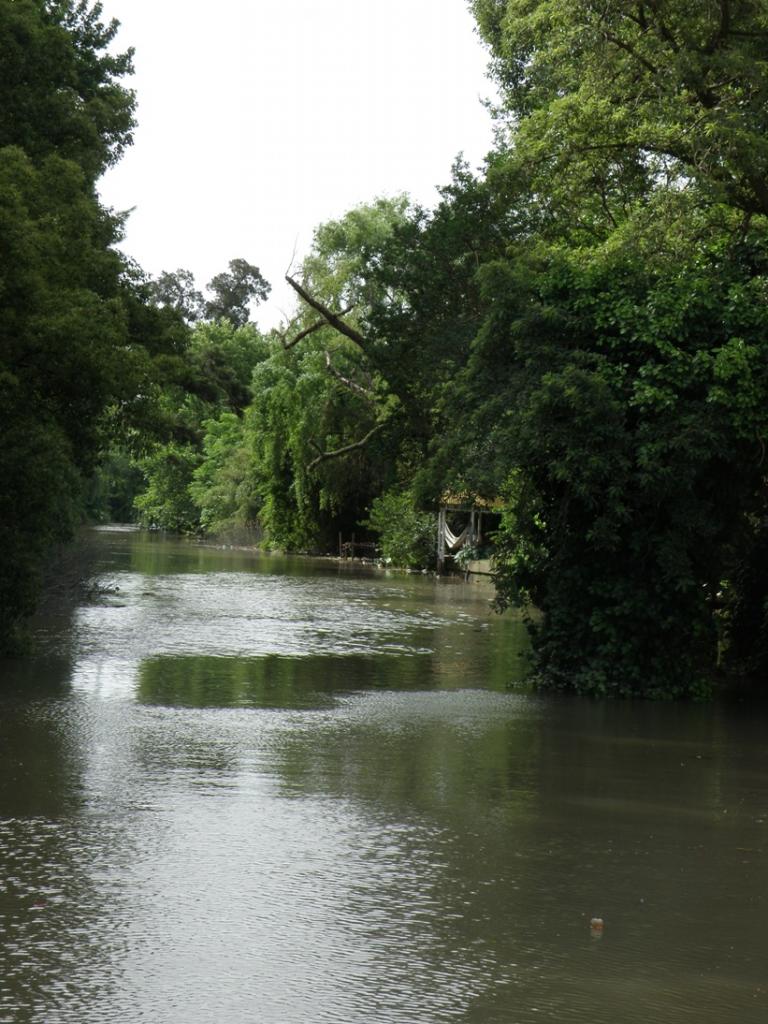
(311, 797)
(39, 756)
(277, 681)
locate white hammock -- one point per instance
(454, 542)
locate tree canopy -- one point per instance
(613, 100)
(70, 344)
(629, 320)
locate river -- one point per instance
(244, 789)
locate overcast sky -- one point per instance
(260, 119)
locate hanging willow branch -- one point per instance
(335, 321)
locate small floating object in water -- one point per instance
(596, 926)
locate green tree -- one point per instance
(67, 297)
(61, 84)
(610, 101)
(325, 425)
(320, 440)
(620, 372)
(406, 533)
(176, 290)
(165, 502)
(631, 460)
(225, 486)
(234, 291)
(404, 281)
(208, 379)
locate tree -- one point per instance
(176, 290)
(406, 533)
(61, 84)
(620, 376)
(325, 425)
(234, 291)
(394, 290)
(394, 287)
(65, 341)
(208, 381)
(320, 443)
(225, 486)
(627, 437)
(611, 101)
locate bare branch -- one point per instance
(333, 319)
(293, 254)
(337, 452)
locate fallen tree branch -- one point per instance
(333, 319)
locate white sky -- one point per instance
(258, 120)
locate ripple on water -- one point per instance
(237, 614)
(393, 856)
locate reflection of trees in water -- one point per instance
(39, 764)
(438, 753)
(453, 845)
(451, 656)
(157, 554)
(271, 681)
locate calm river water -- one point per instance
(253, 790)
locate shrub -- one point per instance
(406, 534)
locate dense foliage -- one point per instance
(629, 331)
(66, 298)
(578, 331)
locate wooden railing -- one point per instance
(357, 548)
